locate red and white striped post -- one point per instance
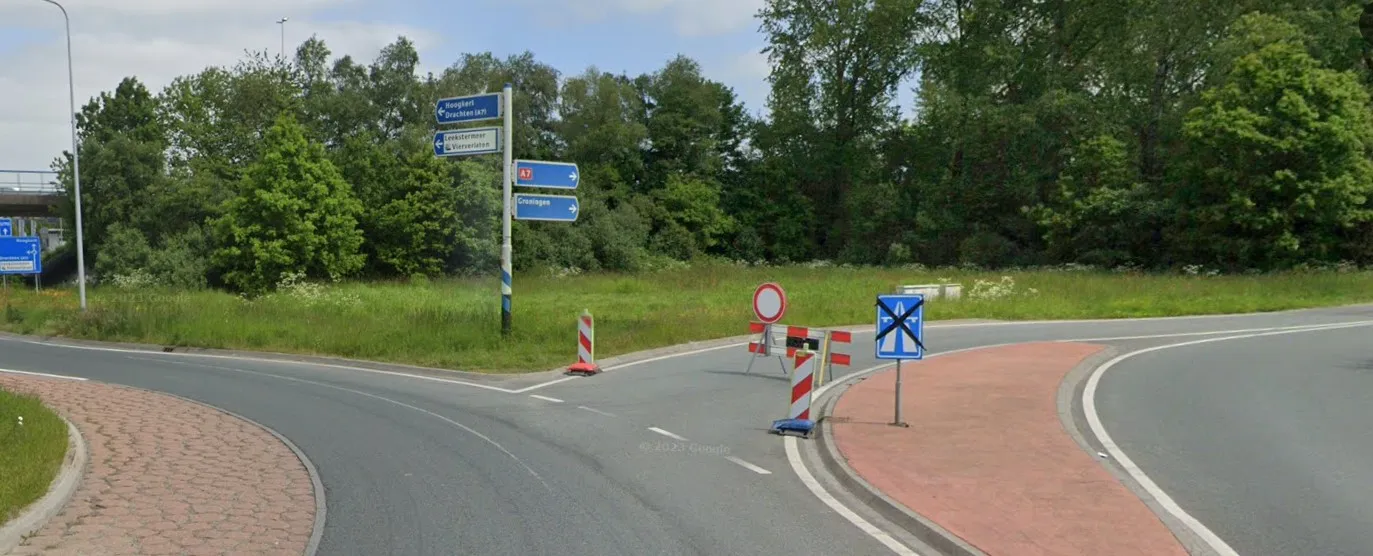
(586, 347)
(802, 380)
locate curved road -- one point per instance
(670, 456)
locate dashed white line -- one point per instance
(668, 434)
(596, 411)
(546, 398)
(749, 466)
(44, 375)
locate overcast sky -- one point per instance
(157, 40)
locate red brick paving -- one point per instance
(167, 476)
(987, 458)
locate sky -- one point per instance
(158, 40)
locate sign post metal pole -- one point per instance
(898, 422)
(506, 212)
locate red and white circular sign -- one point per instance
(769, 303)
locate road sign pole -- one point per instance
(506, 266)
(898, 422)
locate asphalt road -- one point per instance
(1268, 440)
(665, 457)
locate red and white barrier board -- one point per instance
(802, 381)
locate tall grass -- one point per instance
(455, 323)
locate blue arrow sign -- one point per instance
(21, 255)
(6, 227)
(555, 175)
(467, 142)
(553, 208)
(901, 326)
(474, 108)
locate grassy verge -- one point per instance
(30, 454)
(455, 324)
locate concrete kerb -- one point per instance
(59, 493)
(1074, 419)
(922, 528)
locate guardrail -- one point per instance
(29, 182)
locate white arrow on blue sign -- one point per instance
(467, 142)
(6, 227)
(552, 208)
(473, 108)
(21, 255)
(552, 175)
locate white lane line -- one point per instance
(543, 384)
(749, 466)
(794, 457)
(466, 428)
(44, 375)
(546, 398)
(596, 411)
(668, 434)
(1218, 332)
(1099, 430)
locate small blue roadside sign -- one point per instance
(901, 326)
(6, 227)
(552, 208)
(553, 175)
(473, 108)
(467, 142)
(21, 255)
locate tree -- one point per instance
(414, 232)
(1280, 170)
(294, 214)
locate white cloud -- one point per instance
(154, 40)
(691, 18)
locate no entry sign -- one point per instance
(769, 303)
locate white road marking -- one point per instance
(1217, 332)
(44, 375)
(469, 430)
(1099, 430)
(749, 466)
(543, 384)
(794, 457)
(597, 411)
(546, 398)
(667, 434)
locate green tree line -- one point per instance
(1234, 134)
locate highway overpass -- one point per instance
(31, 199)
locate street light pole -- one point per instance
(282, 23)
(76, 161)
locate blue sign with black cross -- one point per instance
(901, 326)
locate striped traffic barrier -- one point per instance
(830, 358)
(586, 347)
(802, 383)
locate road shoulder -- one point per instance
(987, 466)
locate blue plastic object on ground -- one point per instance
(803, 426)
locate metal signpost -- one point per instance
(900, 334)
(525, 173)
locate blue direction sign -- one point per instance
(21, 255)
(6, 227)
(467, 142)
(553, 175)
(553, 208)
(474, 108)
(901, 326)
